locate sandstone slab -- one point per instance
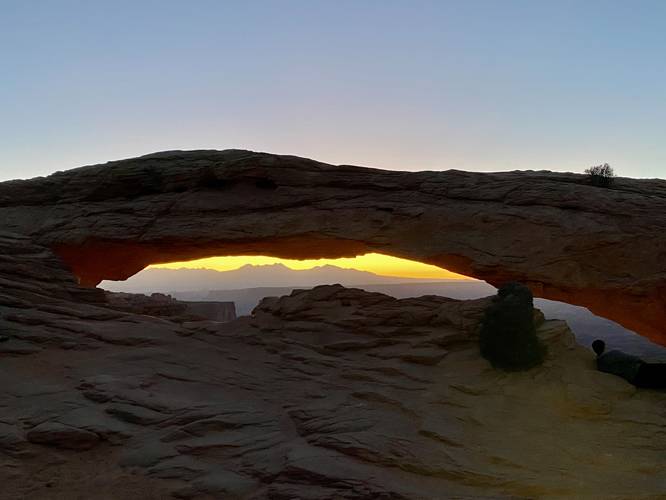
(62, 436)
(324, 394)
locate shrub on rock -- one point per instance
(601, 175)
(508, 336)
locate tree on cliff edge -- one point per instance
(508, 336)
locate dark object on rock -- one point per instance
(4, 338)
(631, 368)
(601, 175)
(508, 336)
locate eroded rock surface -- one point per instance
(604, 249)
(324, 394)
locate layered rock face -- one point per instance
(328, 393)
(600, 248)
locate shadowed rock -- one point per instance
(62, 436)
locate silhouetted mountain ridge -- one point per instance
(251, 276)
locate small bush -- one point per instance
(601, 175)
(508, 336)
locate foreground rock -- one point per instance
(62, 436)
(325, 394)
(600, 248)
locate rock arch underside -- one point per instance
(331, 392)
(604, 249)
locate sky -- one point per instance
(384, 265)
(411, 85)
(408, 85)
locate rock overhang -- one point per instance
(604, 249)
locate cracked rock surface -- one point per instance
(324, 394)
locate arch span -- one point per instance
(604, 249)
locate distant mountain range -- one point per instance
(585, 325)
(247, 298)
(250, 276)
(249, 284)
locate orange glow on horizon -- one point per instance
(384, 265)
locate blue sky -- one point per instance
(413, 85)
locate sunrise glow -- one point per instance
(384, 265)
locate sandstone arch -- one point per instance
(600, 248)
